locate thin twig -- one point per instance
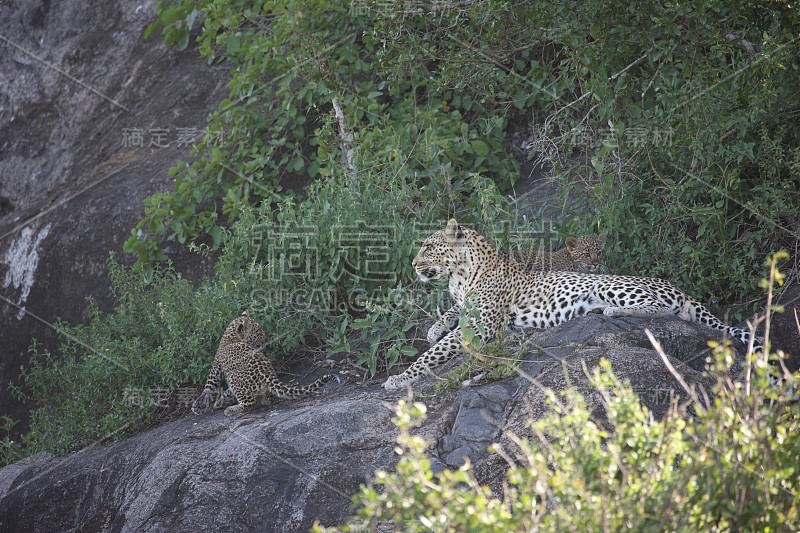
(345, 138)
(796, 321)
(546, 390)
(675, 373)
(632, 65)
(345, 133)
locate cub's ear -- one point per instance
(571, 243)
(245, 313)
(452, 232)
(601, 241)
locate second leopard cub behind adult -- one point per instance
(581, 254)
(248, 372)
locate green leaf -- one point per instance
(183, 38)
(190, 19)
(408, 351)
(479, 147)
(216, 235)
(233, 43)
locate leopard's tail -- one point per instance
(281, 390)
(697, 312)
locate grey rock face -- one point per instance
(785, 328)
(77, 83)
(280, 468)
(275, 470)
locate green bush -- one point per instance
(731, 467)
(676, 119)
(692, 163)
(678, 123)
(112, 375)
(291, 60)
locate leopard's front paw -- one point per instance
(610, 311)
(235, 410)
(396, 382)
(200, 405)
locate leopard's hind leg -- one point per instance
(227, 398)
(246, 391)
(212, 385)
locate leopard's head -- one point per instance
(245, 329)
(449, 249)
(586, 251)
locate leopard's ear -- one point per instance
(571, 243)
(601, 241)
(452, 232)
(241, 327)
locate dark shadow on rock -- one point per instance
(785, 330)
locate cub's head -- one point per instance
(586, 251)
(447, 249)
(245, 329)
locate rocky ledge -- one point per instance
(281, 467)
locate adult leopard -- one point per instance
(503, 292)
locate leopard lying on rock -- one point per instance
(581, 254)
(501, 292)
(248, 372)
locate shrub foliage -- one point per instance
(675, 119)
(732, 466)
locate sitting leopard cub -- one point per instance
(581, 254)
(502, 292)
(247, 370)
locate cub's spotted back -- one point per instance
(502, 292)
(249, 374)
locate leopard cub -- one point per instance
(249, 374)
(581, 254)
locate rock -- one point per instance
(282, 467)
(267, 471)
(77, 80)
(473, 423)
(785, 331)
